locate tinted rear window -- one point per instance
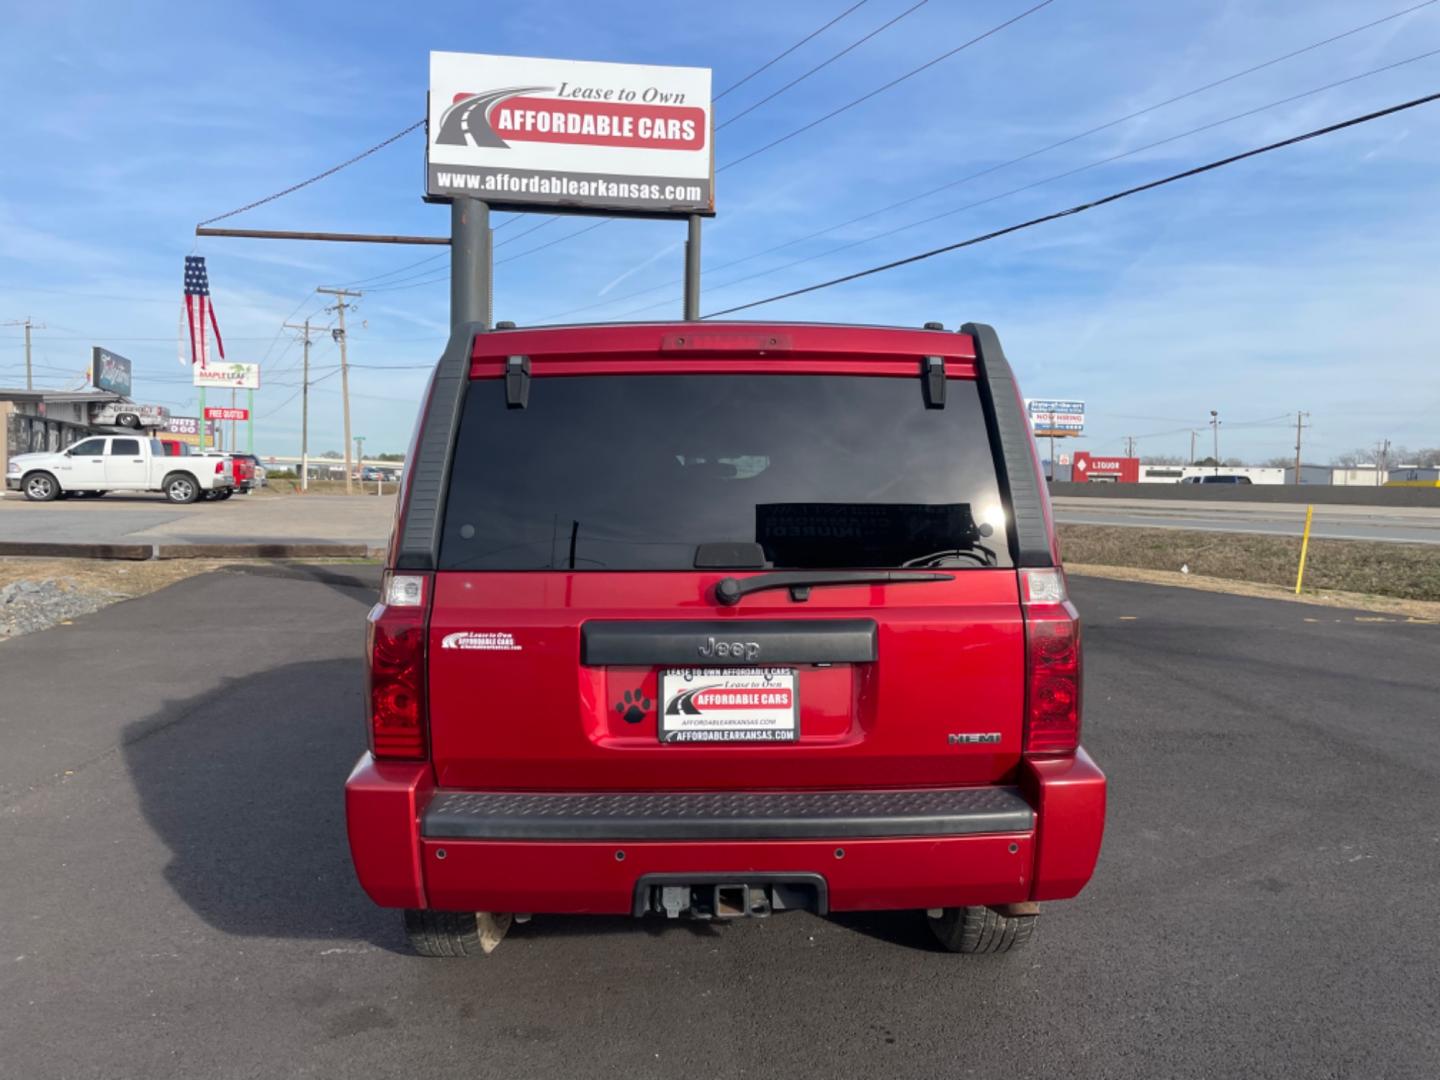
(634, 472)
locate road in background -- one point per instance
(117, 518)
(179, 902)
(1410, 525)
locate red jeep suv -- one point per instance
(717, 620)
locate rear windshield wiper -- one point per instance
(729, 591)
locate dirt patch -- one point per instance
(1407, 610)
(324, 487)
(39, 593)
(1403, 571)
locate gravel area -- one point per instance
(26, 606)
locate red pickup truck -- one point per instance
(721, 620)
(241, 466)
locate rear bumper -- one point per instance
(416, 847)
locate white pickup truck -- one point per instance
(104, 463)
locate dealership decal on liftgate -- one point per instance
(524, 132)
(728, 705)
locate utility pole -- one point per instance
(1129, 445)
(1215, 428)
(1299, 427)
(339, 335)
(29, 325)
(304, 404)
(1192, 446)
(1382, 460)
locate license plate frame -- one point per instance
(691, 723)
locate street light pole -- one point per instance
(1215, 429)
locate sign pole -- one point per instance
(202, 418)
(472, 279)
(250, 422)
(692, 269)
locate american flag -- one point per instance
(199, 310)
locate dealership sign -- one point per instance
(1055, 417)
(521, 132)
(109, 371)
(227, 414)
(227, 376)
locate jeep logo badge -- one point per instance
(740, 650)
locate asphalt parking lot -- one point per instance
(178, 900)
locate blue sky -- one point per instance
(1303, 280)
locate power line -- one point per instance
(776, 59)
(1007, 164)
(318, 176)
(823, 64)
(896, 230)
(830, 115)
(887, 86)
(1082, 207)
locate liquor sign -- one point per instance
(523, 133)
(227, 414)
(1106, 470)
(1055, 418)
(226, 376)
(110, 371)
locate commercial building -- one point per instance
(40, 421)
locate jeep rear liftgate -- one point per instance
(659, 574)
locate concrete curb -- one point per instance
(37, 549)
(44, 549)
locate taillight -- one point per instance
(395, 678)
(219, 467)
(1052, 664)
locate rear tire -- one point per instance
(443, 933)
(456, 933)
(181, 488)
(982, 930)
(41, 487)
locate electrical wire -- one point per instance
(887, 86)
(1013, 161)
(318, 176)
(776, 59)
(1080, 208)
(1057, 176)
(823, 64)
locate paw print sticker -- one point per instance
(633, 709)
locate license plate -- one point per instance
(728, 705)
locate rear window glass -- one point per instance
(635, 472)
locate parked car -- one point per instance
(128, 414)
(241, 468)
(798, 637)
(1221, 478)
(258, 474)
(100, 464)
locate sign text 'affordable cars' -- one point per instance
(522, 132)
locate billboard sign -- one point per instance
(525, 133)
(110, 371)
(183, 425)
(227, 414)
(227, 376)
(1049, 417)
